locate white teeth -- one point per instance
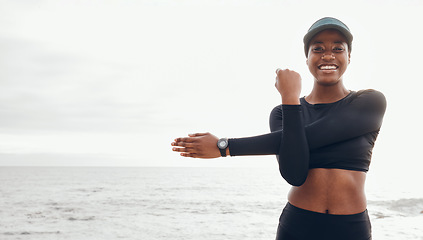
(328, 67)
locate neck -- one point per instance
(327, 94)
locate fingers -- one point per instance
(182, 144)
(185, 145)
(197, 145)
(277, 70)
(193, 155)
(185, 152)
(182, 149)
(185, 139)
(198, 134)
(191, 137)
(285, 71)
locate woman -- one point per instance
(323, 142)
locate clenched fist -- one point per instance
(288, 83)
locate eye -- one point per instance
(317, 49)
(338, 49)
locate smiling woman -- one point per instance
(323, 142)
(328, 57)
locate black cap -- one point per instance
(323, 24)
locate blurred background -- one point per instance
(112, 83)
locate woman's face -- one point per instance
(328, 57)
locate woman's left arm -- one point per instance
(289, 145)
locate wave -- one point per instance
(29, 233)
(402, 207)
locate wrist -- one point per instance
(222, 145)
(289, 100)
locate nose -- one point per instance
(328, 56)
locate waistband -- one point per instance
(291, 208)
(305, 224)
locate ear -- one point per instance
(349, 57)
(307, 61)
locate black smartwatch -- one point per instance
(222, 144)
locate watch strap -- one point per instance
(222, 152)
(223, 148)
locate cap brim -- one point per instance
(316, 30)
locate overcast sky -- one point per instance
(114, 82)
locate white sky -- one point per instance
(114, 82)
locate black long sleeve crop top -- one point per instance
(332, 135)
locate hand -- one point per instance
(198, 145)
(288, 83)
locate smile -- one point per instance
(328, 67)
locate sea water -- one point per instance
(166, 203)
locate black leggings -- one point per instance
(300, 224)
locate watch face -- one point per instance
(223, 143)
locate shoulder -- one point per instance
(370, 98)
(276, 113)
(370, 94)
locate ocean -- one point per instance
(168, 203)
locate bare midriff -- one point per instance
(332, 191)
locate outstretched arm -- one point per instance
(204, 145)
(293, 161)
